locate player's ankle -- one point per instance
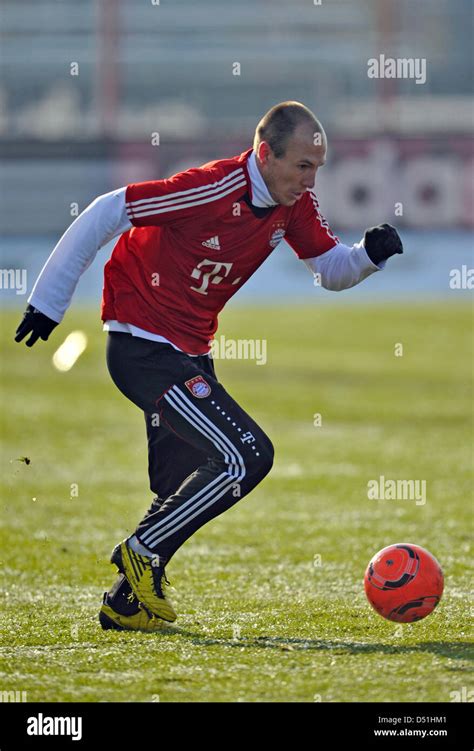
(135, 544)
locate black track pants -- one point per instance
(205, 452)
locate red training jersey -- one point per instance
(196, 239)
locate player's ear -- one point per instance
(263, 151)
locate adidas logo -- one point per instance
(212, 243)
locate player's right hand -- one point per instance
(37, 324)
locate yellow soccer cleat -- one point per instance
(139, 621)
(146, 577)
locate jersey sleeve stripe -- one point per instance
(170, 198)
(150, 211)
(322, 221)
(232, 177)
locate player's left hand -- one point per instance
(382, 242)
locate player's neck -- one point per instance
(261, 195)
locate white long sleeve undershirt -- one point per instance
(104, 219)
(342, 267)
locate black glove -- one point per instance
(382, 242)
(36, 322)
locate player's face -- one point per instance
(288, 177)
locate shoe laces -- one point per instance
(159, 576)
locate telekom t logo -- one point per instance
(215, 274)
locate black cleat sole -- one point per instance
(116, 558)
(107, 623)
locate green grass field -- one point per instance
(270, 594)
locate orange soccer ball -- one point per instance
(403, 582)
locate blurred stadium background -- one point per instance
(85, 85)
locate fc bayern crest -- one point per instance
(277, 233)
(198, 387)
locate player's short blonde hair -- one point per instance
(278, 124)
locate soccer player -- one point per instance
(186, 245)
